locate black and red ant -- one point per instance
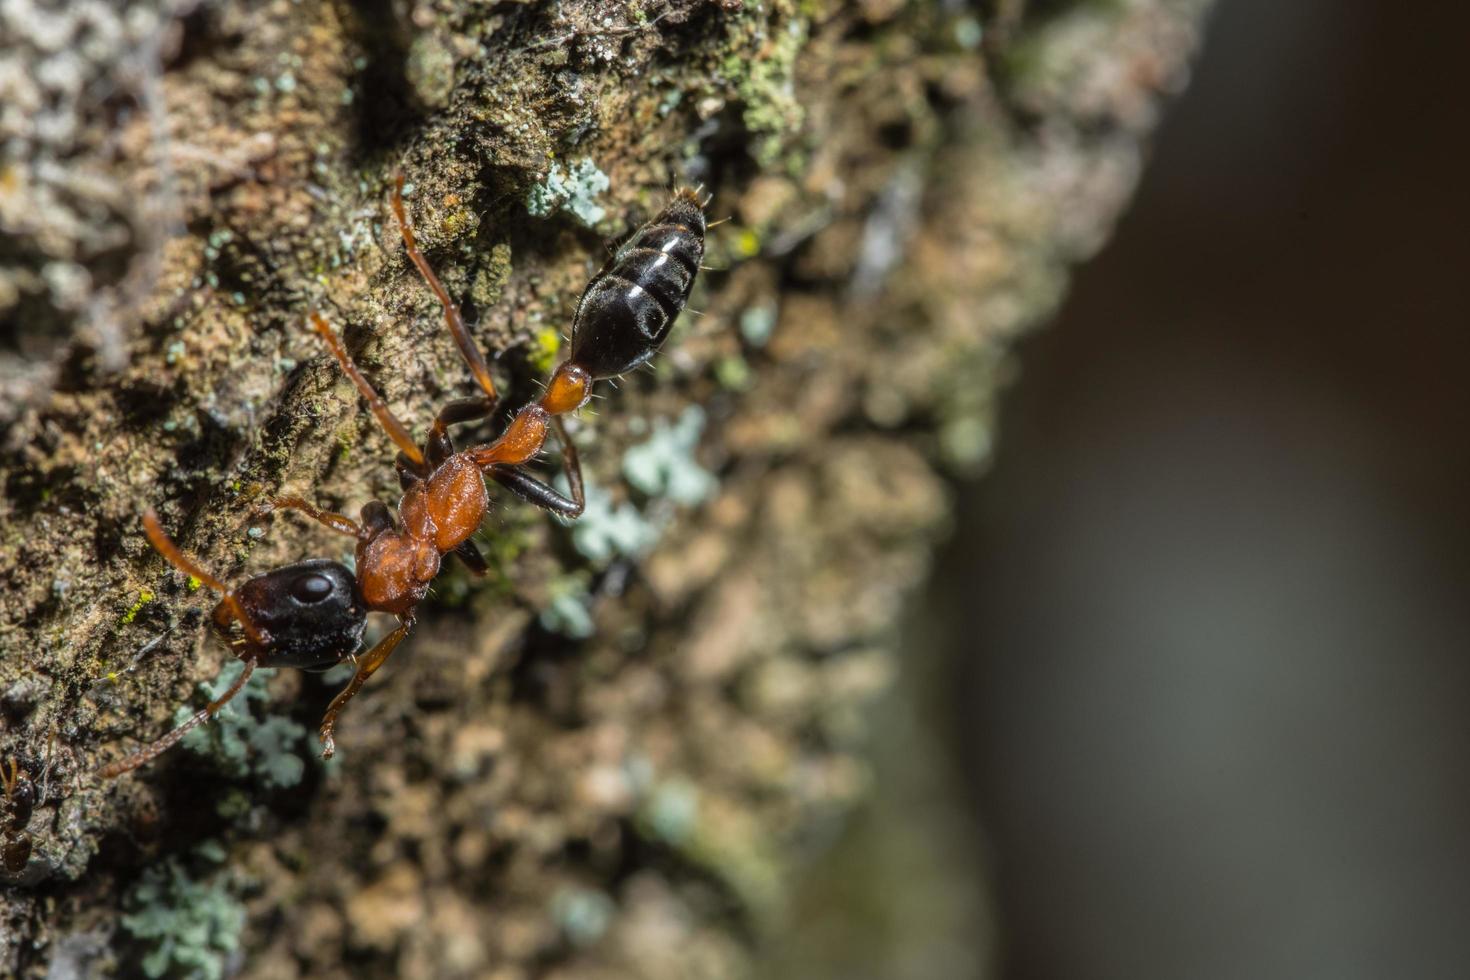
(312, 614)
(15, 813)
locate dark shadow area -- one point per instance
(1211, 606)
(386, 108)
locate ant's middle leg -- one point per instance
(473, 560)
(337, 522)
(438, 447)
(534, 491)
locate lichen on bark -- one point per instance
(906, 184)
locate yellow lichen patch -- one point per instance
(144, 597)
(548, 345)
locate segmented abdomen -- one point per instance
(627, 311)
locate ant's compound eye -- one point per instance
(311, 588)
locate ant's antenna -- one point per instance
(170, 551)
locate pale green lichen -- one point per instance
(661, 467)
(757, 323)
(605, 531)
(268, 750)
(733, 373)
(569, 612)
(671, 812)
(430, 69)
(583, 914)
(571, 190)
(491, 277)
(189, 925)
(771, 111)
(664, 466)
(968, 33)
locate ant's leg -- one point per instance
(437, 447)
(376, 519)
(473, 560)
(367, 665)
(408, 472)
(154, 749)
(467, 348)
(533, 491)
(171, 553)
(337, 522)
(520, 443)
(385, 417)
(571, 464)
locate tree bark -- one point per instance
(608, 757)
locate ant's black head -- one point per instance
(310, 612)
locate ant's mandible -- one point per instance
(311, 614)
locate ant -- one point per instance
(311, 614)
(20, 800)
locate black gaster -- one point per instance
(662, 275)
(311, 612)
(627, 311)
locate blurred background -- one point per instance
(1199, 643)
(1210, 608)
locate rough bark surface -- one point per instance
(610, 757)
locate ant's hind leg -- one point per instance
(154, 749)
(452, 316)
(572, 465)
(367, 665)
(534, 491)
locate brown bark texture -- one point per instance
(610, 756)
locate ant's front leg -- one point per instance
(367, 665)
(534, 491)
